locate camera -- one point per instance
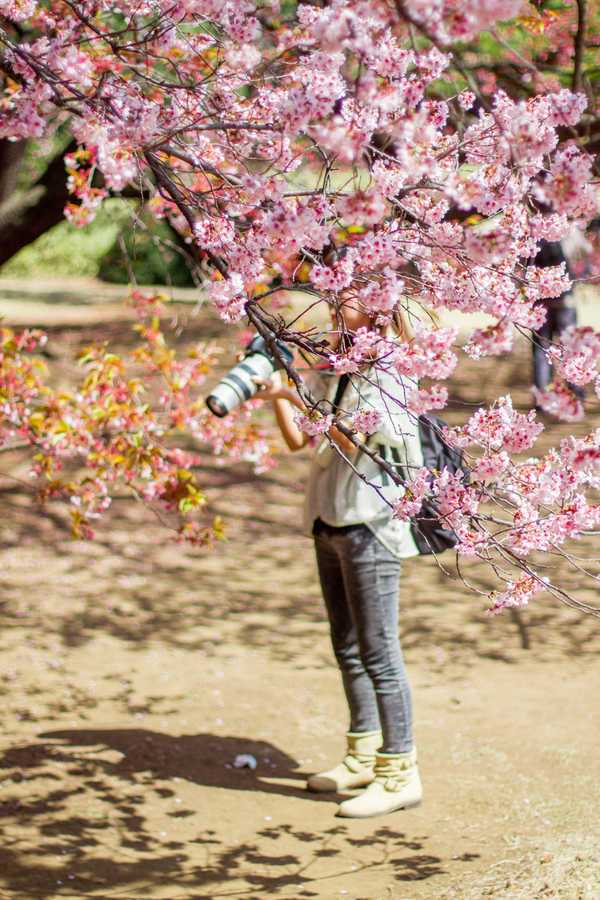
(238, 385)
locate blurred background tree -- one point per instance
(123, 244)
(554, 44)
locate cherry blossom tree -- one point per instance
(352, 148)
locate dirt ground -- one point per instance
(133, 671)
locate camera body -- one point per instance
(238, 385)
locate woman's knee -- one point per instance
(385, 667)
(348, 658)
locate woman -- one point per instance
(359, 547)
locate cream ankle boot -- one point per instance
(396, 785)
(357, 768)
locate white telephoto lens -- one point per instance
(239, 385)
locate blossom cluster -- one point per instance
(314, 424)
(499, 427)
(517, 594)
(117, 427)
(576, 358)
(366, 421)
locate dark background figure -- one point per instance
(560, 314)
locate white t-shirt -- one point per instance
(335, 493)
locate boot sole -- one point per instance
(336, 790)
(343, 815)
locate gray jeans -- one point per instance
(360, 584)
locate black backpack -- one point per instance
(428, 532)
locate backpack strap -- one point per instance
(398, 463)
(385, 478)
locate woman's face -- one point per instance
(349, 316)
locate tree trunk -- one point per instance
(22, 223)
(11, 156)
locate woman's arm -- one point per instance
(284, 399)
(342, 441)
(283, 408)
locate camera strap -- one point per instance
(339, 392)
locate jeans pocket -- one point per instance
(360, 539)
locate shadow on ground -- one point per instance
(259, 589)
(99, 827)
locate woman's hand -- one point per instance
(276, 389)
(273, 388)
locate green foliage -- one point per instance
(69, 251)
(39, 154)
(148, 251)
(110, 248)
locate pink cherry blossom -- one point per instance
(314, 424)
(517, 594)
(366, 421)
(362, 208)
(559, 401)
(382, 295)
(576, 358)
(416, 491)
(228, 297)
(491, 341)
(567, 187)
(466, 99)
(429, 354)
(499, 427)
(335, 277)
(423, 400)
(490, 466)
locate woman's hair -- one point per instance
(401, 324)
(401, 315)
